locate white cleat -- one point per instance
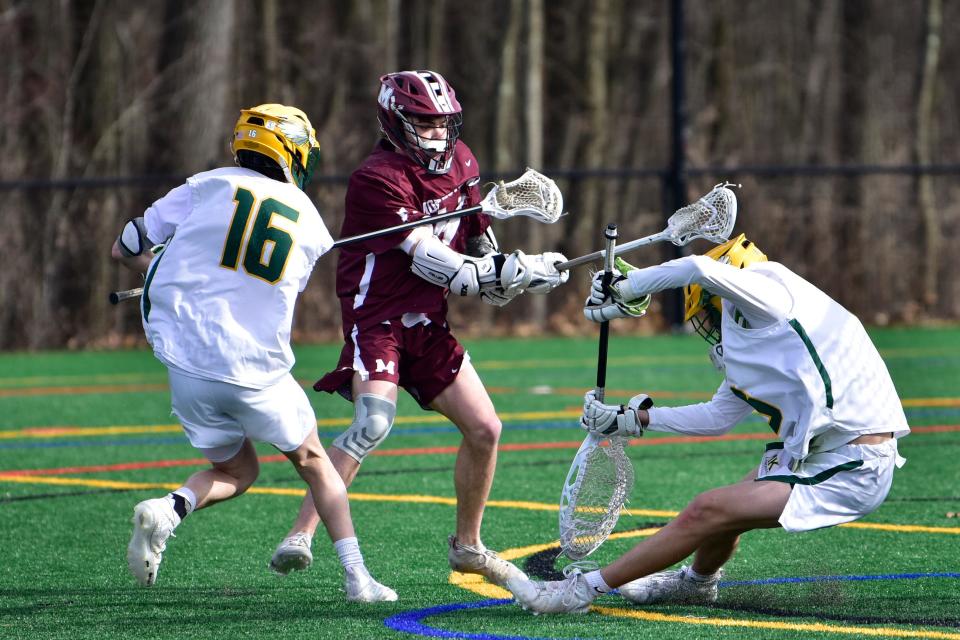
(293, 554)
(153, 524)
(361, 587)
(675, 586)
(572, 595)
(479, 559)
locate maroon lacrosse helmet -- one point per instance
(408, 96)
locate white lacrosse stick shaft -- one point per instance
(712, 218)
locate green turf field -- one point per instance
(81, 436)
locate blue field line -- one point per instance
(885, 576)
(932, 413)
(411, 622)
(93, 442)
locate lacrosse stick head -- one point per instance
(598, 486)
(532, 194)
(711, 217)
(703, 308)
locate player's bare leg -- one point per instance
(713, 521)
(718, 549)
(227, 479)
(347, 467)
(717, 516)
(327, 491)
(307, 519)
(330, 504)
(294, 553)
(154, 520)
(466, 403)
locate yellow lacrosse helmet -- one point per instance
(738, 252)
(282, 134)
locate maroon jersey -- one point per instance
(374, 280)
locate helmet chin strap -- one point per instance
(440, 164)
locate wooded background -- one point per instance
(108, 105)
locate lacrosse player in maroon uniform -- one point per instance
(393, 296)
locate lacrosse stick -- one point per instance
(533, 195)
(600, 478)
(711, 217)
(116, 297)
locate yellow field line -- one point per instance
(46, 433)
(815, 627)
(424, 499)
(931, 402)
(90, 482)
(478, 585)
(900, 528)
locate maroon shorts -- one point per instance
(423, 359)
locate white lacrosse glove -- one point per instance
(622, 301)
(716, 357)
(613, 419)
(499, 296)
(536, 273)
(546, 276)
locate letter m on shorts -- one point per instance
(388, 367)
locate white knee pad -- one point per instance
(372, 418)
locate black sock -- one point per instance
(179, 505)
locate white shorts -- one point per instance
(218, 416)
(832, 487)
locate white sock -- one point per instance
(596, 582)
(348, 550)
(699, 577)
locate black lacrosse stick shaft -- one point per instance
(611, 235)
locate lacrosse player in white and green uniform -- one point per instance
(240, 245)
(789, 352)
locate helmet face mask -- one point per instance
(706, 322)
(414, 108)
(282, 134)
(435, 152)
(703, 309)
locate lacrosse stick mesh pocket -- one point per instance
(711, 217)
(591, 504)
(531, 194)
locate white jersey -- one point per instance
(790, 352)
(218, 300)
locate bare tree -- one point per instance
(923, 149)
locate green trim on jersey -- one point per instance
(817, 479)
(146, 286)
(773, 414)
(822, 370)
